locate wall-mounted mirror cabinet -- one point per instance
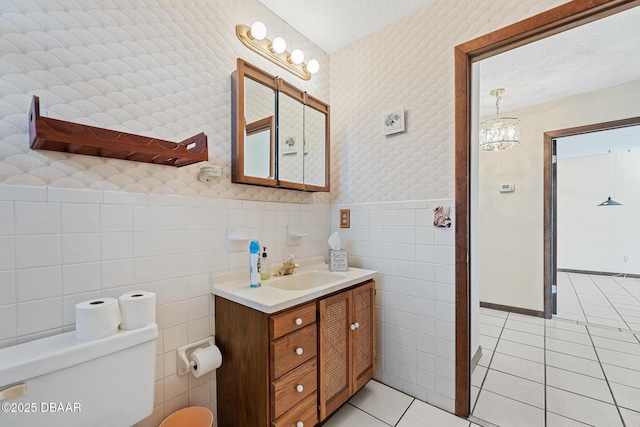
(280, 134)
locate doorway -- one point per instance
(600, 303)
(562, 18)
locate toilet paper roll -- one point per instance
(205, 360)
(97, 318)
(138, 309)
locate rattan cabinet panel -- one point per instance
(346, 349)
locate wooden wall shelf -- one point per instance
(59, 135)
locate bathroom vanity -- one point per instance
(296, 348)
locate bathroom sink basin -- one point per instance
(304, 281)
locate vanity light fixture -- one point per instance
(500, 132)
(254, 38)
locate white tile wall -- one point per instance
(59, 247)
(415, 293)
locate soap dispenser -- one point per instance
(265, 268)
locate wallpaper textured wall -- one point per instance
(408, 63)
(150, 67)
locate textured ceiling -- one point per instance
(592, 57)
(333, 24)
(589, 144)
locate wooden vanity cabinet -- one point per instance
(346, 345)
(269, 371)
(271, 362)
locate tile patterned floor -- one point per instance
(557, 372)
(581, 368)
(377, 405)
(603, 300)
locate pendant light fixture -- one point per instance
(610, 202)
(500, 132)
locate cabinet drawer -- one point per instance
(284, 390)
(284, 351)
(306, 412)
(292, 320)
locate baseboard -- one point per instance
(598, 273)
(476, 358)
(518, 310)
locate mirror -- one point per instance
(259, 147)
(280, 134)
(290, 138)
(316, 150)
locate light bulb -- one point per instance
(258, 30)
(297, 56)
(313, 66)
(278, 45)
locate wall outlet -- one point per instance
(345, 218)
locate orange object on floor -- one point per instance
(194, 416)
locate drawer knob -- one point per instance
(298, 321)
(299, 351)
(299, 388)
(357, 325)
(353, 326)
(299, 424)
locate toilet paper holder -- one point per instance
(182, 361)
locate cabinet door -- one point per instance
(334, 352)
(364, 335)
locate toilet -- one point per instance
(195, 416)
(63, 381)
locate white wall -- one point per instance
(408, 63)
(62, 246)
(511, 225)
(415, 301)
(159, 69)
(592, 237)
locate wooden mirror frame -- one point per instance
(553, 21)
(244, 69)
(318, 105)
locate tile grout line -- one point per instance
(493, 353)
(404, 413)
(577, 296)
(586, 322)
(609, 301)
(613, 397)
(632, 296)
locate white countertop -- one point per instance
(269, 299)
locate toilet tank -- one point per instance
(106, 382)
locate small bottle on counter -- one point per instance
(254, 264)
(265, 268)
